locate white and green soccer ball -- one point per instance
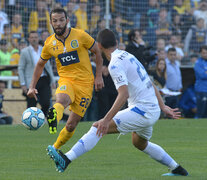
(33, 118)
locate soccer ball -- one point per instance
(33, 118)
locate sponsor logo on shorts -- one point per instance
(74, 44)
(63, 87)
(118, 121)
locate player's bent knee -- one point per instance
(139, 142)
(138, 146)
(63, 99)
(64, 102)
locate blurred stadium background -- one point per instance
(155, 19)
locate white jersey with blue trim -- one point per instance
(125, 69)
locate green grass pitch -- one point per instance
(23, 153)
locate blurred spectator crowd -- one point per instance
(178, 23)
(158, 32)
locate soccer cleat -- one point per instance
(59, 158)
(52, 120)
(179, 171)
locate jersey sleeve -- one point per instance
(118, 75)
(45, 54)
(87, 40)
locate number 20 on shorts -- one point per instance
(84, 102)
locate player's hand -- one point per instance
(102, 127)
(173, 113)
(32, 93)
(99, 84)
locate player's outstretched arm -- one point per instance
(173, 113)
(99, 84)
(103, 124)
(36, 75)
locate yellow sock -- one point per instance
(60, 109)
(63, 137)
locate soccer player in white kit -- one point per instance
(144, 102)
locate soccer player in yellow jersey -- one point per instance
(70, 48)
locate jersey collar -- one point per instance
(64, 38)
(114, 52)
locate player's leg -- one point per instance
(55, 113)
(158, 153)
(64, 96)
(68, 131)
(78, 107)
(88, 141)
(85, 144)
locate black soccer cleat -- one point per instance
(52, 120)
(60, 159)
(179, 171)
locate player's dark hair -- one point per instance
(59, 11)
(106, 38)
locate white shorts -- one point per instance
(130, 120)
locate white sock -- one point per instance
(158, 153)
(85, 144)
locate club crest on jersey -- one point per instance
(118, 121)
(54, 42)
(74, 44)
(63, 87)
